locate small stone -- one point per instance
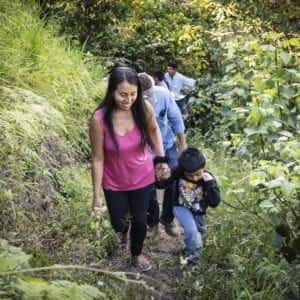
(100, 283)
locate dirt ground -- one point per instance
(163, 251)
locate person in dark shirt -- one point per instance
(159, 78)
(192, 190)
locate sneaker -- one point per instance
(189, 260)
(192, 260)
(170, 228)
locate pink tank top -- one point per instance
(131, 168)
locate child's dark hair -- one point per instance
(191, 160)
(160, 75)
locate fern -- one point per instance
(12, 258)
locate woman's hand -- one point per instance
(162, 171)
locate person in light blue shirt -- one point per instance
(167, 115)
(176, 82)
(171, 125)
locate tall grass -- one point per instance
(34, 58)
(47, 92)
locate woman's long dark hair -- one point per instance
(139, 110)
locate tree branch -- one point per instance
(115, 275)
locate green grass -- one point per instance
(47, 96)
(240, 260)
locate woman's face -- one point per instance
(125, 95)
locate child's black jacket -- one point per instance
(211, 191)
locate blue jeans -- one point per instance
(192, 236)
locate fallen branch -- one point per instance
(115, 275)
(220, 34)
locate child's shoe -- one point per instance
(189, 260)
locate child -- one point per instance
(192, 190)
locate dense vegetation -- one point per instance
(245, 116)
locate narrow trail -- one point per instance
(164, 253)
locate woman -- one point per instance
(122, 131)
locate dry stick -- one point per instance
(244, 210)
(115, 275)
(232, 206)
(219, 34)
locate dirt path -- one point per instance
(163, 252)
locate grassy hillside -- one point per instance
(244, 115)
(46, 98)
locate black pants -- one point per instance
(167, 207)
(153, 210)
(134, 204)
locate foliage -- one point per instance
(159, 31)
(242, 249)
(253, 109)
(27, 287)
(249, 108)
(14, 284)
(47, 92)
(124, 31)
(244, 115)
